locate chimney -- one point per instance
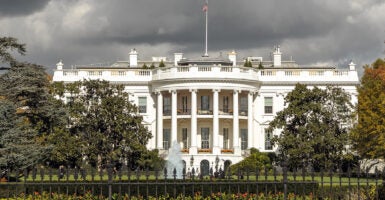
(352, 66)
(277, 57)
(59, 65)
(133, 58)
(233, 57)
(177, 58)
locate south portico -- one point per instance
(207, 122)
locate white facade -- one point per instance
(215, 108)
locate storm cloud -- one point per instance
(92, 31)
(10, 8)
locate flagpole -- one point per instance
(206, 54)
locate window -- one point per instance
(184, 104)
(268, 105)
(205, 138)
(166, 106)
(268, 137)
(243, 106)
(184, 138)
(226, 104)
(225, 138)
(166, 138)
(244, 139)
(205, 103)
(142, 104)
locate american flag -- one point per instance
(205, 7)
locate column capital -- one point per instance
(216, 90)
(172, 91)
(237, 91)
(193, 90)
(158, 92)
(253, 92)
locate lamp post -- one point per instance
(192, 161)
(216, 163)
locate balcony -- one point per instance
(183, 111)
(227, 151)
(307, 74)
(121, 75)
(205, 112)
(242, 112)
(204, 150)
(194, 72)
(225, 111)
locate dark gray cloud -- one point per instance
(21, 7)
(312, 31)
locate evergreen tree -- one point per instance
(29, 111)
(369, 134)
(19, 142)
(313, 127)
(161, 64)
(27, 86)
(260, 66)
(152, 66)
(248, 64)
(144, 66)
(7, 45)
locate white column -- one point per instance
(237, 149)
(174, 127)
(250, 126)
(159, 120)
(193, 147)
(216, 149)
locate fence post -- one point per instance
(285, 180)
(109, 173)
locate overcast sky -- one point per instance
(313, 32)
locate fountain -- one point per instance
(174, 161)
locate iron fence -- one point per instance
(123, 182)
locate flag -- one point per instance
(205, 7)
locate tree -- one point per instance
(314, 127)
(19, 142)
(248, 63)
(10, 44)
(260, 66)
(31, 111)
(255, 160)
(144, 66)
(108, 125)
(152, 66)
(368, 135)
(161, 64)
(28, 87)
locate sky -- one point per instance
(312, 32)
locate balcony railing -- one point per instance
(227, 151)
(208, 72)
(225, 112)
(166, 112)
(243, 112)
(184, 111)
(204, 150)
(205, 112)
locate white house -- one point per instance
(214, 108)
